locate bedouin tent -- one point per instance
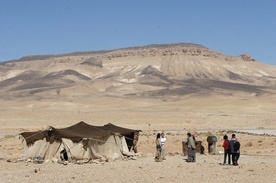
(80, 142)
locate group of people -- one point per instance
(160, 147)
(231, 148)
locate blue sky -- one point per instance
(33, 27)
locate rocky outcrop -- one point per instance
(166, 50)
(246, 57)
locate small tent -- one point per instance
(80, 142)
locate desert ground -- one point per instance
(176, 116)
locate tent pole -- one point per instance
(67, 146)
(91, 153)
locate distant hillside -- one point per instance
(147, 71)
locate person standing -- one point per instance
(226, 150)
(237, 150)
(163, 148)
(191, 148)
(135, 141)
(158, 156)
(234, 147)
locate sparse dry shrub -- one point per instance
(58, 91)
(9, 136)
(260, 141)
(249, 144)
(168, 133)
(176, 141)
(147, 134)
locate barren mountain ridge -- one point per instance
(155, 70)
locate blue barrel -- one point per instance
(212, 139)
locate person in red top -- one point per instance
(226, 150)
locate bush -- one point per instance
(249, 144)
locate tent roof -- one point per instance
(117, 129)
(83, 130)
(76, 132)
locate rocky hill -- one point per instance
(148, 71)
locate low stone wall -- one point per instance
(247, 133)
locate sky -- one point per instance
(32, 27)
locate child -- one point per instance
(226, 150)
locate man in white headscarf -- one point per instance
(163, 142)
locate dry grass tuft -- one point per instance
(248, 144)
(9, 136)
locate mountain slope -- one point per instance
(155, 70)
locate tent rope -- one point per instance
(129, 138)
(66, 145)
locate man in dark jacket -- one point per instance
(234, 148)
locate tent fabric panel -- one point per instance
(94, 151)
(121, 142)
(109, 149)
(42, 149)
(128, 133)
(76, 150)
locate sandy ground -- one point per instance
(176, 117)
(253, 169)
(256, 164)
